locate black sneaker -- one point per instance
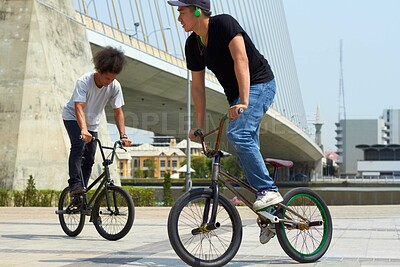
(76, 201)
(76, 189)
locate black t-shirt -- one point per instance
(217, 57)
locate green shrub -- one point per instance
(48, 198)
(5, 197)
(33, 197)
(19, 198)
(167, 196)
(142, 196)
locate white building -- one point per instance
(349, 134)
(392, 119)
(379, 161)
(376, 138)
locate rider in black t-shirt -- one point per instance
(217, 57)
(220, 44)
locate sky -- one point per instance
(370, 32)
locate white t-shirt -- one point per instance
(95, 98)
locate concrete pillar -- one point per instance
(44, 49)
(318, 170)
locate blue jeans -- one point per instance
(243, 134)
(79, 150)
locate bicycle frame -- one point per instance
(104, 177)
(228, 179)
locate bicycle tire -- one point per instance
(305, 244)
(201, 249)
(72, 219)
(115, 223)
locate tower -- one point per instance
(318, 125)
(342, 105)
(342, 112)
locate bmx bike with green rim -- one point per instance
(110, 207)
(205, 228)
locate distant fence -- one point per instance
(359, 180)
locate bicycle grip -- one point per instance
(198, 132)
(93, 138)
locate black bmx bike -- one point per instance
(205, 228)
(110, 207)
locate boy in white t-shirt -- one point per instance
(82, 113)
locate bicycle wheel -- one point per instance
(72, 219)
(192, 242)
(113, 221)
(304, 243)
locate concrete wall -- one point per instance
(43, 51)
(331, 196)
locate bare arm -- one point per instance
(242, 72)
(80, 118)
(199, 99)
(120, 121)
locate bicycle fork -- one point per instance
(209, 222)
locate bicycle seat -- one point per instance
(279, 162)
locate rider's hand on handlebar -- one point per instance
(126, 142)
(192, 135)
(236, 110)
(86, 136)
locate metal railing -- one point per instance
(359, 180)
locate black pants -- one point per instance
(79, 149)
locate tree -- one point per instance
(149, 163)
(139, 173)
(167, 196)
(31, 193)
(202, 166)
(231, 165)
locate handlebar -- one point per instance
(117, 144)
(199, 133)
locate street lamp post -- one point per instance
(163, 29)
(136, 24)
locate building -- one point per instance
(148, 160)
(350, 133)
(380, 161)
(330, 166)
(392, 119)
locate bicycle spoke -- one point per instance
(114, 214)
(203, 243)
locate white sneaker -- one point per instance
(266, 199)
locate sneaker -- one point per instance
(76, 201)
(266, 233)
(267, 230)
(76, 189)
(266, 199)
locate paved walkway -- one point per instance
(363, 236)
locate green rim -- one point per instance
(324, 217)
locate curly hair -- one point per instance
(109, 59)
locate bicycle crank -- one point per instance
(269, 216)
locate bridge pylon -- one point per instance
(44, 49)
